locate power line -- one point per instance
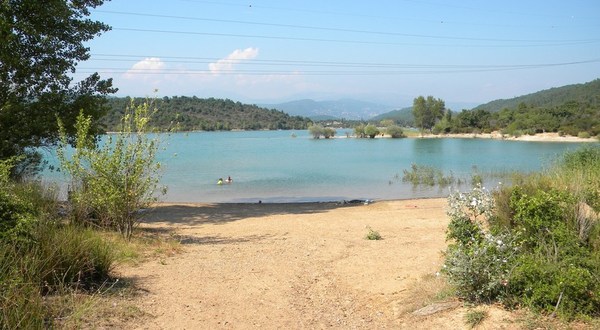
(306, 63)
(400, 70)
(341, 13)
(332, 29)
(563, 43)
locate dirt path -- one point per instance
(296, 266)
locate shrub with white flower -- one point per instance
(476, 205)
(481, 271)
(478, 263)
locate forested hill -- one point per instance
(588, 93)
(197, 114)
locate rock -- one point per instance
(435, 308)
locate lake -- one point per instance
(291, 166)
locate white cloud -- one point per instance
(145, 66)
(237, 56)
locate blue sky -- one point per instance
(386, 51)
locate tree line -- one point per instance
(576, 118)
(205, 114)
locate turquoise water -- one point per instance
(274, 166)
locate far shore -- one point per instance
(540, 137)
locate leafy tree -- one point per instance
(359, 131)
(395, 131)
(318, 131)
(114, 181)
(371, 131)
(427, 111)
(42, 42)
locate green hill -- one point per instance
(588, 93)
(197, 114)
(403, 117)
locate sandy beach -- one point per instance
(540, 137)
(299, 266)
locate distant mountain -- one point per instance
(586, 93)
(403, 116)
(344, 108)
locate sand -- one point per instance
(299, 266)
(539, 137)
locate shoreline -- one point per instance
(539, 137)
(354, 202)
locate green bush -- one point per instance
(426, 175)
(557, 264)
(73, 256)
(16, 211)
(371, 131)
(395, 131)
(60, 259)
(537, 245)
(583, 135)
(21, 305)
(480, 270)
(39, 256)
(565, 287)
(373, 235)
(477, 262)
(541, 216)
(114, 181)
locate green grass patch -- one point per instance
(373, 235)
(475, 317)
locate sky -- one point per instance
(465, 52)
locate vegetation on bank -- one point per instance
(550, 98)
(318, 131)
(197, 114)
(44, 254)
(569, 110)
(572, 118)
(535, 244)
(41, 256)
(111, 183)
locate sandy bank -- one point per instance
(297, 266)
(540, 137)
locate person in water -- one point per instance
(229, 179)
(220, 181)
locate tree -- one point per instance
(371, 131)
(317, 131)
(114, 181)
(427, 111)
(42, 42)
(395, 131)
(359, 131)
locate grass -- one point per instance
(475, 317)
(53, 274)
(427, 175)
(427, 290)
(373, 235)
(424, 175)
